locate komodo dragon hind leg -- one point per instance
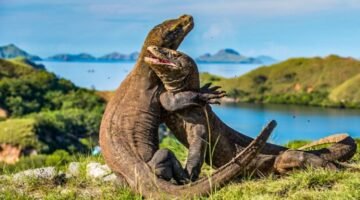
(166, 166)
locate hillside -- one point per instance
(26, 62)
(306, 81)
(347, 92)
(12, 51)
(45, 113)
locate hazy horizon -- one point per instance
(272, 27)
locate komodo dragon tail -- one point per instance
(343, 148)
(144, 181)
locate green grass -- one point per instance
(347, 92)
(207, 78)
(307, 184)
(21, 61)
(80, 187)
(19, 132)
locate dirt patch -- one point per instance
(9, 154)
(297, 87)
(3, 113)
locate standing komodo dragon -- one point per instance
(128, 132)
(225, 141)
(178, 72)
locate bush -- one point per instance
(64, 129)
(25, 90)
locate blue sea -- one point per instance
(294, 122)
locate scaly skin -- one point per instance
(226, 142)
(128, 132)
(336, 138)
(178, 72)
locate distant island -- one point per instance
(85, 57)
(232, 56)
(115, 56)
(72, 57)
(12, 51)
(222, 56)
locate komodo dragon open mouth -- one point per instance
(157, 57)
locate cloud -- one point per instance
(214, 31)
(218, 30)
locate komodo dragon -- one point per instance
(226, 141)
(178, 72)
(128, 132)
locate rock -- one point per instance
(110, 178)
(97, 171)
(45, 173)
(73, 170)
(4, 177)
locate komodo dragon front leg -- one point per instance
(196, 124)
(164, 163)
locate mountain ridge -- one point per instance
(226, 55)
(229, 55)
(12, 51)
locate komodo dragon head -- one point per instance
(169, 34)
(172, 67)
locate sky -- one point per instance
(278, 28)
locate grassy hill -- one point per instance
(45, 112)
(348, 91)
(306, 81)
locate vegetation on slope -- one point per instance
(61, 115)
(348, 92)
(19, 132)
(307, 81)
